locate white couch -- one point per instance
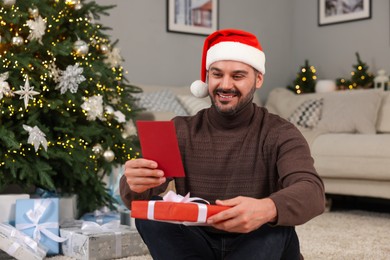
(351, 140)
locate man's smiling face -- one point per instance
(232, 85)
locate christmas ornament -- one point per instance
(54, 72)
(97, 149)
(109, 155)
(33, 12)
(37, 27)
(109, 110)
(36, 137)
(26, 92)
(17, 41)
(70, 79)
(129, 129)
(8, 3)
(119, 116)
(4, 86)
(80, 47)
(78, 6)
(94, 107)
(114, 58)
(103, 48)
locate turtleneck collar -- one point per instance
(240, 119)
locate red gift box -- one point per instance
(181, 212)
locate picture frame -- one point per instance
(341, 11)
(198, 17)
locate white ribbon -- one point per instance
(34, 215)
(173, 197)
(93, 226)
(21, 239)
(90, 227)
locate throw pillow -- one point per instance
(160, 101)
(192, 104)
(352, 111)
(308, 114)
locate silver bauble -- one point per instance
(109, 155)
(17, 41)
(80, 47)
(97, 149)
(78, 6)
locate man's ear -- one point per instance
(259, 80)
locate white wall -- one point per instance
(157, 57)
(331, 49)
(288, 31)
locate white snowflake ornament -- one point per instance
(36, 137)
(94, 107)
(70, 79)
(27, 92)
(37, 28)
(54, 72)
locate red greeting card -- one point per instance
(159, 143)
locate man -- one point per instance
(234, 154)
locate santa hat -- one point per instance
(228, 44)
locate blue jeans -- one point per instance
(174, 241)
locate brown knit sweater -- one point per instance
(252, 153)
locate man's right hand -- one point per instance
(142, 174)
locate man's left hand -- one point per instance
(246, 214)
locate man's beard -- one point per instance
(240, 105)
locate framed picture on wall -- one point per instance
(341, 11)
(192, 16)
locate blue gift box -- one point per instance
(38, 218)
(102, 216)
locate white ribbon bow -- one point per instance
(173, 197)
(93, 226)
(34, 215)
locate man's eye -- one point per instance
(217, 75)
(236, 77)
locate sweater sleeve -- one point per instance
(301, 194)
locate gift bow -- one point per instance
(34, 215)
(112, 226)
(173, 197)
(21, 239)
(93, 226)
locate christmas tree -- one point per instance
(305, 81)
(66, 106)
(360, 77)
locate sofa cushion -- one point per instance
(343, 111)
(192, 104)
(161, 101)
(351, 111)
(352, 156)
(307, 114)
(383, 122)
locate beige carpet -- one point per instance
(352, 235)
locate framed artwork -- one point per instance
(192, 16)
(341, 11)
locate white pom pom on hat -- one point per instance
(228, 44)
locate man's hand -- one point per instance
(246, 214)
(142, 174)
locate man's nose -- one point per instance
(227, 82)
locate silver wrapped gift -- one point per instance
(19, 245)
(108, 241)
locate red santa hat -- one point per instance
(228, 44)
